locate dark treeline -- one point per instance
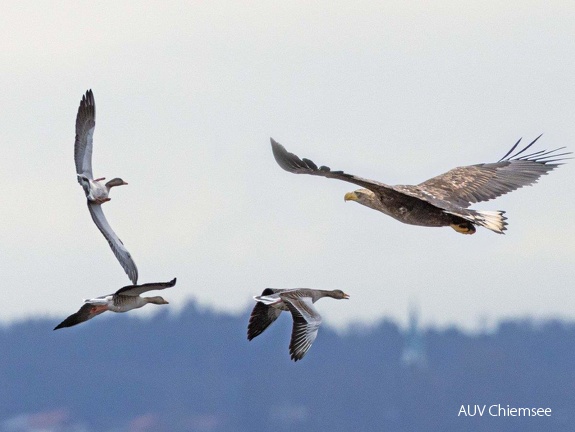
(197, 371)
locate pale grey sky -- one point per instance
(187, 96)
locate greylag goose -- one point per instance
(442, 200)
(123, 300)
(97, 192)
(306, 319)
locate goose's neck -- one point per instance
(317, 294)
(155, 300)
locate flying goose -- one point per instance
(97, 192)
(442, 200)
(306, 319)
(123, 300)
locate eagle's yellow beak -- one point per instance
(350, 196)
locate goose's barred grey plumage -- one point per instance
(299, 302)
(96, 192)
(442, 200)
(123, 300)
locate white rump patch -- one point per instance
(267, 300)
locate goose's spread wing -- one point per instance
(306, 322)
(262, 315)
(85, 124)
(482, 182)
(86, 312)
(115, 243)
(292, 163)
(136, 290)
(261, 318)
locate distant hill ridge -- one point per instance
(197, 371)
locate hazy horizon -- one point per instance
(187, 97)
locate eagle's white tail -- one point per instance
(492, 220)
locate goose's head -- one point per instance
(115, 182)
(339, 294)
(156, 300)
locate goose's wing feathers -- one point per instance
(136, 290)
(86, 312)
(85, 124)
(262, 315)
(261, 318)
(482, 182)
(292, 163)
(306, 322)
(114, 241)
